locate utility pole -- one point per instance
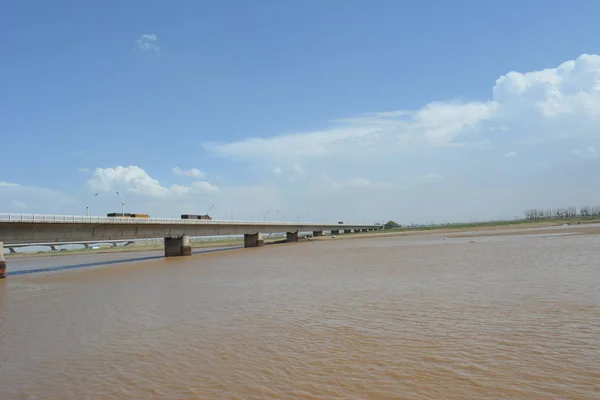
(122, 204)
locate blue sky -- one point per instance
(281, 105)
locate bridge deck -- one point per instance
(51, 218)
(39, 228)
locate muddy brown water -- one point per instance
(374, 318)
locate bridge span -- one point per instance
(18, 229)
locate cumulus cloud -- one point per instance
(192, 173)
(134, 179)
(148, 42)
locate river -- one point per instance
(375, 318)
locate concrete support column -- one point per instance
(178, 246)
(253, 240)
(292, 236)
(317, 233)
(335, 232)
(2, 262)
(347, 230)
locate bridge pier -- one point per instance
(292, 237)
(178, 246)
(2, 262)
(317, 233)
(253, 240)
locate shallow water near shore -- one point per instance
(379, 318)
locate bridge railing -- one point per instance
(23, 217)
(53, 218)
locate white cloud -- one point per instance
(523, 104)
(438, 124)
(133, 179)
(148, 42)
(8, 184)
(441, 123)
(193, 172)
(277, 170)
(588, 152)
(510, 154)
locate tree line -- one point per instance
(536, 214)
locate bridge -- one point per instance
(20, 229)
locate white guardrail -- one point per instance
(51, 218)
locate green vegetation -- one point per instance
(538, 214)
(492, 224)
(557, 216)
(391, 225)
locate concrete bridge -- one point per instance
(18, 229)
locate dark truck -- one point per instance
(194, 216)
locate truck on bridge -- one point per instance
(127, 215)
(194, 216)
